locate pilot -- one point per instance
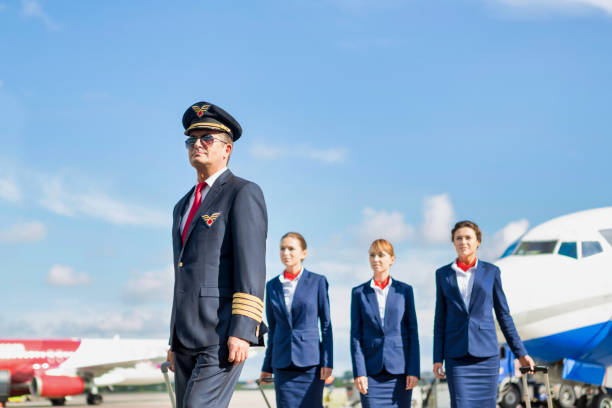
(219, 243)
(467, 292)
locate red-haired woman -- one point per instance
(467, 292)
(296, 304)
(384, 336)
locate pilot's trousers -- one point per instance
(204, 378)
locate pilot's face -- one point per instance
(213, 154)
(465, 242)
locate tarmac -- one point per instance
(241, 399)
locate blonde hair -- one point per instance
(383, 245)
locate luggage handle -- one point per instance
(164, 369)
(536, 369)
(265, 380)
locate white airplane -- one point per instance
(55, 369)
(558, 281)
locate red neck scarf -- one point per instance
(289, 276)
(463, 266)
(384, 283)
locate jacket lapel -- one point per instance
(373, 302)
(299, 289)
(476, 284)
(280, 299)
(176, 225)
(214, 191)
(389, 311)
(452, 281)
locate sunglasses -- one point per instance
(207, 140)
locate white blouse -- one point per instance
(465, 280)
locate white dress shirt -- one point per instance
(381, 297)
(289, 289)
(209, 182)
(465, 281)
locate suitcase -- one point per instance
(537, 369)
(164, 369)
(265, 380)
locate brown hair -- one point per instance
(468, 224)
(383, 245)
(297, 236)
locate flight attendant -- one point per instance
(297, 308)
(384, 336)
(467, 291)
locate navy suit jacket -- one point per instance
(394, 345)
(296, 339)
(220, 271)
(461, 330)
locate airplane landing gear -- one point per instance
(58, 402)
(94, 399)
(601, 400)
(511, 396)
(566, 397)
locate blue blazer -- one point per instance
(394, 345)
(220, 270)
(461, 330)
(296, 339)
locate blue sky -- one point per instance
(361, 120)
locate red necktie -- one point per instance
(196, 204)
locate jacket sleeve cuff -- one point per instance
(247, 311)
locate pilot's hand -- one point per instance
(411, 382)
(325, 373)
(361, 383)
(170, 358)
(438, 371)
(527, 361)
(238, 350)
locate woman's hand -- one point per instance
(438, 371)
(362, 384)
(527, 361)
(411, 382)
(263, 376)
(325, 373)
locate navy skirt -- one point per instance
(386, 391)
(298, 387)
(472, 381)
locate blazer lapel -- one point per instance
(280, 299)
(476, 284)
(452, 281)
(299, 288)
(214, 191)
(176, 225)
(389, 311)
(371, 297)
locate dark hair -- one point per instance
(297, 236)
(383, 245)
(468, 224)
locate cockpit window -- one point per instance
(536, 247)
(510, 249)
(569, 249)
(607, 233)
(590, 248)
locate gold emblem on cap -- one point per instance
(200, 110)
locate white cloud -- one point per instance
(150, 286)
(331, 155)
(494, 247)
(438, 218)
(9, 190)
(24, 233)
(98, 205)
(605, 5)
(33, 9)
(61, 275)
(383, 224)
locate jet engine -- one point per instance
(57, 386)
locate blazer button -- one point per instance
(180, 264)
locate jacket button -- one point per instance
(180, 264)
